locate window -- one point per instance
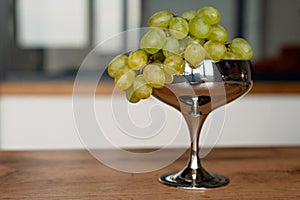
(50, 38)
(49, 24)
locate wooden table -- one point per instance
(106, 88)
(255, 173)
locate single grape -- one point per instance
(118, 65)
(160, 19)
(215, 50)
(218, 33)
(188, 15)
(131, 96)
(154, 75)
(230, 56)
(183, 43)
(125, 80)
(194, 54)
(168, 78)
(153, 41)
(174, 64)
(172, 46)
(198, 40)
(137, 59)
(209, 14)
(241, 48)
(141, 89)
(178, 27)
(199, 28)
(190, 40)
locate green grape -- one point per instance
(183, 43)
(241, 48)
(215, 50)
(141, 89)
(153, 41)
(172, 46)
(209, 14)
(160, 19)
(218, 33)
(118, 65)
(188, 15)
(174, 64)
(198, 40)
(131, 96)
(230, 56)
(168, 78)
(137, 59)
(190, 40)
(199, 28)
(178, 27)
(154, 75)
(125, 80)
(194, 54)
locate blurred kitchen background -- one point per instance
(47, 40)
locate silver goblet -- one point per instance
(196, 93)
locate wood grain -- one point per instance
(52, 88)
(255, 173)
(66, 88)
(276, 88)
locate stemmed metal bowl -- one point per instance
(196, 93)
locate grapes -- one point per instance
(230, 56)
(188, 15)
(160, 19)
(209, 14)
(218, 33)
(171, 43)
(194, 54)
(131, 96)
(137, 59)
(125, 80)
(141, 89)
(174, 64)
(154, 75)
(168, 78)
(153, 41)
(190, 40)
(172, 46)
(199, 28)
(241, 48)
(118, 65)
(184, 43)
(215, 50)
(178, 27)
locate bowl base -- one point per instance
(172, 179)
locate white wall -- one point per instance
(47, 122)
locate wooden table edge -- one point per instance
(106, 88)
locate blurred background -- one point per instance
(50, 38)
(47, 40)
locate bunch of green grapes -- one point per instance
(171, 41)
